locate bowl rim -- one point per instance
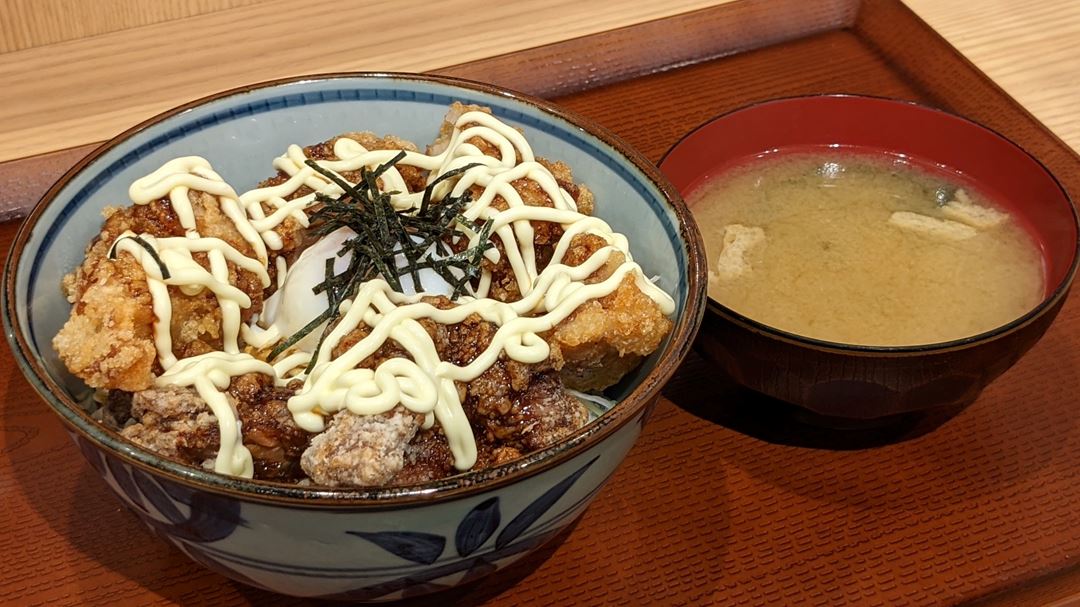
(1046, 303)
(376, 498)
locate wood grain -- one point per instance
(716, 504)
(78, 92)
(1031, 49)
(31, 23)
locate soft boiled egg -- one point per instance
(295, 303)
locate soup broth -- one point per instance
(863, 250)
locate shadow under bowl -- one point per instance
(852, 387)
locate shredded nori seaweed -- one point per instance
(149, 249)
(384, 232)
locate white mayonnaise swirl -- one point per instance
(425, 384)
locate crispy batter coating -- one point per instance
(113, 303)
(108, 340)
(607, 337)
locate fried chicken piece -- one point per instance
(560, 170)
(511, 403)
(564, 176)
(514, 408)
(369, 450)
(546, 235)
(361, 450)
(428, 457)
(174, 422)
(270, 434)
(528, 417)
(607, 337)
(108, 340)
(533, 418)
(446, 130)
(414, 177)
(604, 338)
(177, 423)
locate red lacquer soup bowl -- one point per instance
(843, 382)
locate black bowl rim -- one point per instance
(388, 498)
(1047, 303)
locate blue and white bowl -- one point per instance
(367, 544)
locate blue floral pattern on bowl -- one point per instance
(215, 531)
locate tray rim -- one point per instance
(1010, 589)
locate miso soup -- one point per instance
(865, 250)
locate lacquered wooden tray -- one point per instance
(983, 509)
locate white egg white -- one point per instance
(295, 303)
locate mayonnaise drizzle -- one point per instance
(210, 374)
(425, 384)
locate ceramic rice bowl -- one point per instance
(364, 544)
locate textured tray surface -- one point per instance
(699, 513)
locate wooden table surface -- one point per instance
(71, 89)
